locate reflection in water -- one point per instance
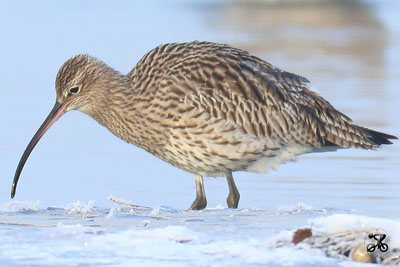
(297, 33)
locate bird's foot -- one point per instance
(233, 200)
(198, 204)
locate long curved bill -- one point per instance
(55, 114)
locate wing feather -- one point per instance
(260, 99)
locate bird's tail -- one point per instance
(359, 137)
(378, 138)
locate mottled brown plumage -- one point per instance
(209, 109)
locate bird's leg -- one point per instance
(201, 201)
(234, 196)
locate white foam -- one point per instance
(111, 214)
(175, 233)
(180, 242)
(300, 207)
(15, 206)
(78, 208)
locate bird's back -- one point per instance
(251, 94)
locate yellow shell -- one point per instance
(359, 253)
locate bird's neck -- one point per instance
(117, 106)
(107, 93)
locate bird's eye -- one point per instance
(73, 90)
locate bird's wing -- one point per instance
(261, 100)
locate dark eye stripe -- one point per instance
(74, 90)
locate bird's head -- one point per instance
(80, 82)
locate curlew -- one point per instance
(209, 109)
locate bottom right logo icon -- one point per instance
(377, 240)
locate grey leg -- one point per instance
(234, 196)
(201, 201)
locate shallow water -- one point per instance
(349, 52)
(81, 235)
